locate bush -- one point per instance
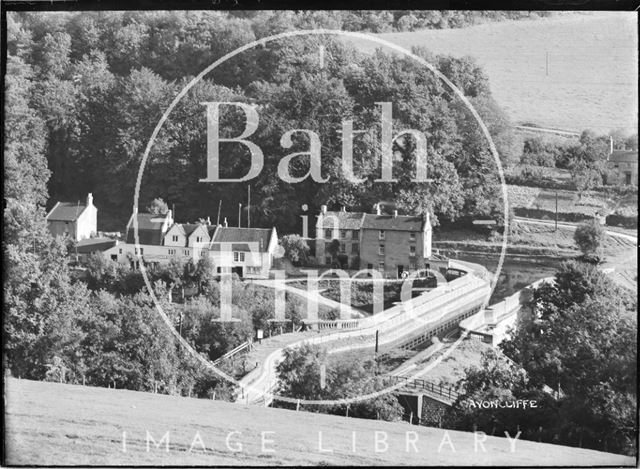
(589, 237)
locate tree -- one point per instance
(497, 379)
(333, 248)
(158, 207)
(295, 248)
(589, 237)
(579, 340)
(299, 376)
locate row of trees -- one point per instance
(576, 356)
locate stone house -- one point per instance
(392, 244)
(624, 165)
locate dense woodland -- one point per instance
(96, 84)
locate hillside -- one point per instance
(48, 423)
(592, 66)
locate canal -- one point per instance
(516, 273)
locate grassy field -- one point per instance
(48, 423)
(571, 72)
(590, 203)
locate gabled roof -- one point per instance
(241, 236)
(66, 211)
(346, 220)
(393, 223)
(149, 229)
(624, 156)
(190, 228)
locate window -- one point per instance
(174, 238)
(343, 234)
(412, 236)
(412, 264)
(235, 256)
(327, 234)
(141, 251)
(172, 252)
(381, 250)
(381, 234)
(369, 266)
(343, 248)
(354, 234)
(120, 250)
(412, 250)
(355, 248)
(242, 257)
(185, 252)
(380, 265)
(114, 257)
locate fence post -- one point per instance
(298, 405)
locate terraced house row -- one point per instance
(392, 244)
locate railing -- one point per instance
(395, 323)
(231, 353)
(448, 392)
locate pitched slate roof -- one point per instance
(66, 211)
(149, 229)
(346, 220)
(189, 228)
(391, 223)
(242, 235)
(624, 156)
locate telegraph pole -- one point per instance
(556, 211)
(248, 206)
(239, 215)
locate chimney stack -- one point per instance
(323, 209)
(208, 221)
(89, 198)
(225, 222)
(377, 208)
(395, 214)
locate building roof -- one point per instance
(86, 246)
(149, 229)
(624, 156)
(346, 220)
(190, 228)
(261, 236)
(392, 223)
(66, 211)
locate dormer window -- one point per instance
(381, 234)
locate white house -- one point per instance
(79, 221)
(245, 251)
